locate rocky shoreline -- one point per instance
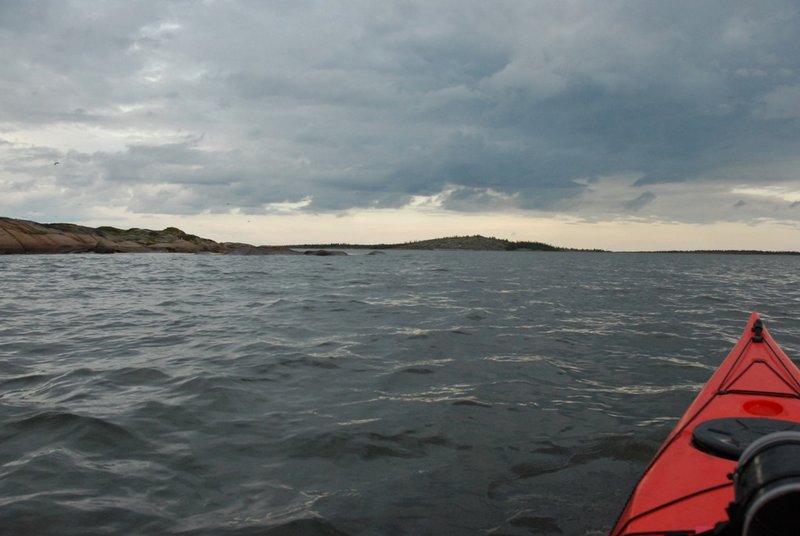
(28, 237)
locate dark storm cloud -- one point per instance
(211, 105)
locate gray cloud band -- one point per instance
(504, 105)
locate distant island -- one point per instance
(28, 237)
(473, 243)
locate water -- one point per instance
(400, 394)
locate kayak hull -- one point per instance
(686, 490)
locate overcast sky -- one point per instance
(618, 124)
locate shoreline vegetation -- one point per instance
(28, 237)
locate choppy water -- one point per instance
(403, 394)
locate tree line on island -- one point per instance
(473, 243)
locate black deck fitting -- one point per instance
(758, 328)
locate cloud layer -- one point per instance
(672, 110)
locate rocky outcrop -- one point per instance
(20, 236)
(169, 240)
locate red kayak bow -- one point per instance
(688, 488)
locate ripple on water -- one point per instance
(410, 393)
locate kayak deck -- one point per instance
(685, 490)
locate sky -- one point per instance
(624, 125)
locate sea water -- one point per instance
(411, 393)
